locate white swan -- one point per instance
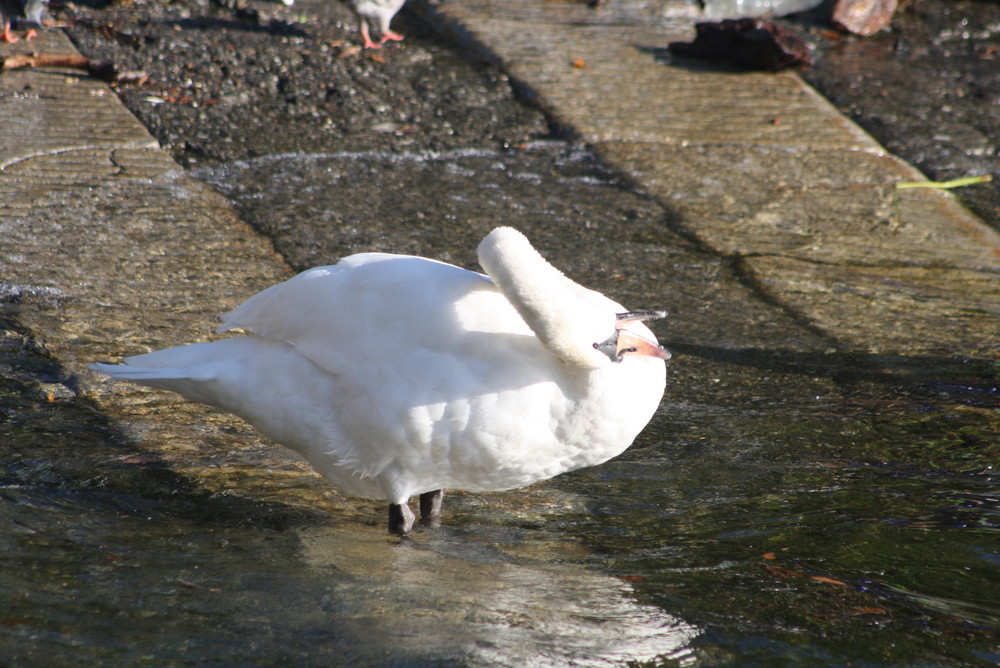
(397, 375)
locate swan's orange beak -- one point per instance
(625, 342)
(630, 343)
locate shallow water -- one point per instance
(789, 504)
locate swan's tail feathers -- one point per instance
(150, 375)
(191, 371)
(191, 382)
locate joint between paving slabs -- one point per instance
(111, 154)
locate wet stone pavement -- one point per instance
(927, 90)
(817, 488)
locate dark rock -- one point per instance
(754, 43)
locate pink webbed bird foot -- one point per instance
(387, 36)
(7, 35)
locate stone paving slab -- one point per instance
(756, 166)
(108, 248)
(625, 91)
(827, 234)
(94, 118)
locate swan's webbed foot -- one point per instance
(430, 507)
(401, 519)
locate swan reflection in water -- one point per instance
(445, 597)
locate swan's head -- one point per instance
(580, 326)
(627, 342)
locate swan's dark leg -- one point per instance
(430, 505)
(400, 518)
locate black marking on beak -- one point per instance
(610, 347)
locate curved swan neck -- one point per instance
(565, 316)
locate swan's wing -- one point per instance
(421, 353)
(371, 308)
